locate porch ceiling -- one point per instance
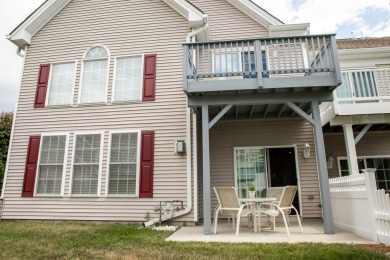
(258, 104)
(356, 128)
(263, 111)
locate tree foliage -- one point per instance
(5, 134)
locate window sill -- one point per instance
(122, 196)
(58, 106)
(124, 102)
(48, 196)
(84, 196)
(90, 104)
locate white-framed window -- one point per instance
(61, 83)
(95, 69)
(250, 168)
(380, 163)
(227, 62)
(128, 78)
(86, 166)
(241, 61)
(52, 165)
(123, 163)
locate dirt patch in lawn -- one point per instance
(380, 248)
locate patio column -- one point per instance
(206, 171)
(351, 149)
(322, 168)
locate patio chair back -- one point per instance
(275, 192)
(227, 198)
(288, 196)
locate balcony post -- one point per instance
(351, 149)
(185, 67)
(259, 63)
(206, 171)
(323, 177)
(335, 59)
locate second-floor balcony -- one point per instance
(299, 63)
(362, 92)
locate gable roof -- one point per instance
(23, 33)
(364, 48)
(358, 43)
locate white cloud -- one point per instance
(328, 16)
(12, 12)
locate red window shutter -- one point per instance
(147, 163)
(31, 166)
(43, 81)
(149, 78)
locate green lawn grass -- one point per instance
(51, 240)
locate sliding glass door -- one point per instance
(250, 168)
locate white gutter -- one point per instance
(189, 158)
(13, 124)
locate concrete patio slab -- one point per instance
(313, 232)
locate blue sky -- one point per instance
(370, 17)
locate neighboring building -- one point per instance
(100, 135)
(357, 122)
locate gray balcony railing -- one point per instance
(263, 63)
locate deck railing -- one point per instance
(366, 85)
(302, 56)
(370, 85)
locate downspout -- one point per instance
(18, 52)
(189, 156)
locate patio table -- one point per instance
(257, 202)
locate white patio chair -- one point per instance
(229, 204)
(274, 192)
(283, 207)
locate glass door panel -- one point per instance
(250, 169)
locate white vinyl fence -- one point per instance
(359, 207)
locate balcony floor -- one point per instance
(313, 232)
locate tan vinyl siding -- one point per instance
(224, 136)
(227, 22)
(372, 144)
(125, 28)
(382, 78)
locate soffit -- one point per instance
(22, 35)
(255, 12)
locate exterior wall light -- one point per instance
(306, 150)
(329, 162)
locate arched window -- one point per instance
(95, 75)
(96, 52)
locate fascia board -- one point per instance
(255, 12)
(289, 27)
(379, 52)
(23, 34)
(194, 16)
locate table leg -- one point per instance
(255, 220)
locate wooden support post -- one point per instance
(351, 149)
(323, 170)
(206, 171)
